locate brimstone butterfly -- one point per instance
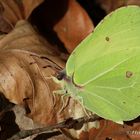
(104, 70)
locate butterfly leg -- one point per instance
(64, 103)
(57, 92)
(82, 105)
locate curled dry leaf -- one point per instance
(26, 69)
(110, 5)
(68, 23)
(74, 26)
(29, 6)
(27, 65)
(12, 11)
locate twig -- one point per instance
(70, 123)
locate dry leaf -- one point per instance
(12, 11)
(25, 53)
(110, 5)
(109, 130)
(74, 26)
(28, 63)
(29, 6)
(68, 23)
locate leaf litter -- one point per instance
(28, 62)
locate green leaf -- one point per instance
(105, 68)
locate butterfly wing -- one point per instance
(107, 66)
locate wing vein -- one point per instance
(105, 72)
(119, 108)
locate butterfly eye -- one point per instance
(61, 75)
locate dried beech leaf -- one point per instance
(29, 6)
(111, 130)
(5, 26)
(68, 23)
(74, 26)
(27, 65)
(21, 52)
(110, 5)
(12, 11)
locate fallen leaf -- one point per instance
(28, 68)
(109, 130)
(29, 6)
(68, 23)
(110, 5)
(74, 26)
(12, 11)
(24, 53)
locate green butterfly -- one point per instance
(103, 72)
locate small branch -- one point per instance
(70, 123)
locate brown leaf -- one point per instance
(29, 6)
(4, 25)
(24, 53)
(110, 5)
(113, 131)
(12, 11)
(68, 23)
(28, 65)
(74, 26)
